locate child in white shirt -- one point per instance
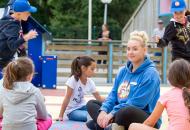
(79, 84)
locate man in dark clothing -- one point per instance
(11, 37)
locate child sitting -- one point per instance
(79, 84)
(21, 102)
(176, 101)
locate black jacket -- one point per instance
(179, 36)
(10, 38)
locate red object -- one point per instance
(49, 58)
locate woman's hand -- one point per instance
(101, 117)
(107, 120)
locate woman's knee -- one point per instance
(93, 104)
(90, 104)
(128, 115)
(132, 112)
(126, 112)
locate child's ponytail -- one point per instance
(75, 68)
(9, 75)
(77, 63)
(186, 97)
(17, 71)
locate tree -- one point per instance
(125, 9)
(3, 3)
(69, 18)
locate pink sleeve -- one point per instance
(0, 123)
(164, 99)
(44, 124)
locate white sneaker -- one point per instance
(115, 126)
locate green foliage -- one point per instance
(69, 18)
(3, 3)
(121, 10)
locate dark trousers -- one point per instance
(102, 61)
(124, 116)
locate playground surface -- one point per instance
(54, 98)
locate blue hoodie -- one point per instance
(140, 88)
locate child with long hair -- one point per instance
(79, 84)
(22, 103)
(176, 101)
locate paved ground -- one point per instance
(54, 98)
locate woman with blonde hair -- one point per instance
(135, 91)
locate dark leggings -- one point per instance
(102, 61)
(124, 116)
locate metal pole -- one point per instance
(165, 65)
(89, 21)
(110, 65)
(105, 13)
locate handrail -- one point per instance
(95, 41)
(85, 40)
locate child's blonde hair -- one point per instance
(17, 70)
(139, 36)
